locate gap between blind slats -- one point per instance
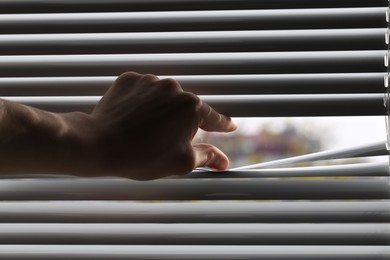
(29, 6)
(194, 20)
(363, 188)
(205, 84)
(216, 41)
(194, 212)
(193, 63)
(245, 105)
(196, 234)
(143, 252)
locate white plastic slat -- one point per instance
(193, 63)
(357, 169)
(205, 84)
(39, 6)
(245, 105)
(195, 212)
(196, 189)
(213, 41)
(196, 234)
(146, 252)
(194, 20)
(375, 169)
(372, 149)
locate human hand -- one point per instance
(143, 128)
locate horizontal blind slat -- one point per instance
(366, 150)
(375, 169)
(197, 189)
(357, 169)
(196, 234)
(216, 41)
(193, 63)
(205, 84)
(194, 212)
(320, 105)
(194, 20)
(39, 6)
(245, 105)
(140, 252)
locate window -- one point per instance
(278, 58)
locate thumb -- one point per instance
(207, 155)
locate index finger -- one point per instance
(211, 120)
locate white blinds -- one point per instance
(247, 59)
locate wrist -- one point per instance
(78, 139)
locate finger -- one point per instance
(150, 77)
(170, 84)
(211, 120)
(127, 78)
(207, 155)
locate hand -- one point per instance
(143, 128)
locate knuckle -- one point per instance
(127, 77)
(149, 77)
(191, 100)
(170, 81)
(189, 104)
(170, 84)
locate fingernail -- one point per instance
(233, 125)
(220, 163)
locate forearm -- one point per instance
(36, 141)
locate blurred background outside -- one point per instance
(265, 139)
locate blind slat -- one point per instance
(196, 234)
(246, 105)
(194, 20)
(372, 149)
(216, 41)
(197, 189)
(193, 63)
(377, 169)
(358, 169)
(39, 6)
(140, 252)
(205, 84)
(194, 212)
